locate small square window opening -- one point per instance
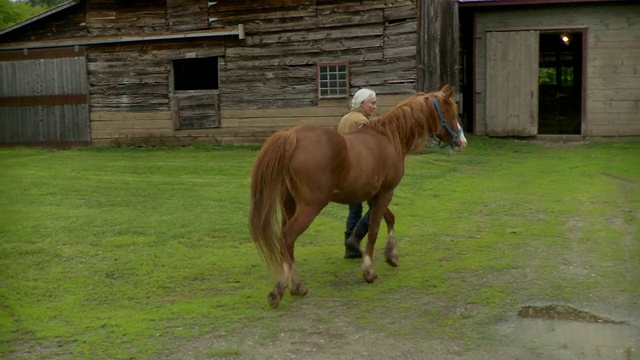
(196, 74)
(195, 97)
(333, 80)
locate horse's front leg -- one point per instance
(379, 207)
(390, 253)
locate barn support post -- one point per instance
(438, 44)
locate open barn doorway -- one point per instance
(560, 83)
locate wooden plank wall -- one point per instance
(612, 59)
(267, 79)
(136, 76)
(108, 17)
(275, 65)
(187, 15)
(438, 38)
(129, 88)
(195, 109)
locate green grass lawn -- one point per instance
(122, 253)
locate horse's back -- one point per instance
(374, 166)
(319, 160)
(321, 149)
(343, 168)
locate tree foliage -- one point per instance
(44, 3)
(13, 12)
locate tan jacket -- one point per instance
(352, 121)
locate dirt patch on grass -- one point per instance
(577, 338)
(326, 329)
(318, 329)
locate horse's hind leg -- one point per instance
(284, 274)
(390, 253)
(297, 287)
(296, 225)
(282, 282)
(287, 277)
(298, 219)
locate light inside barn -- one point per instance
(565, 39)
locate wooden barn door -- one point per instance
(512, 83)
(44, 97)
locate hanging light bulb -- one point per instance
(565, 39)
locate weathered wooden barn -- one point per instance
(177, 71)
(565, 68)
(109, 72)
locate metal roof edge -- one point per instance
(39, 16)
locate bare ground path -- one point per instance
(324, 329)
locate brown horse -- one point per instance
(300, 170)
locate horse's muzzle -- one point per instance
(459, 144)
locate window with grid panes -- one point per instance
(333, 80)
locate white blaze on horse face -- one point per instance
(462, 139)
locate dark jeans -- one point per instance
(355, 215)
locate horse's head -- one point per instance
(449, 132)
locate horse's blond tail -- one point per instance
(270, 182)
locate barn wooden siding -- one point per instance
(438, 36)
(612, 99)
(130, 90)
(267, 77)
(43, 98)
(267, 80)
(276, 62)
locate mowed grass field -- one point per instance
(138, 252)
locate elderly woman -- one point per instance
(362, 106)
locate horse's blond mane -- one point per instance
(409, 124)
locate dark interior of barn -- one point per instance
(560, 83)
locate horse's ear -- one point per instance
(447, 91)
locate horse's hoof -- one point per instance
(370, 277)
(274, 299)
(393, 261)
(299, 291)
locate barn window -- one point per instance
(195, 96)
(333, 80)
(196, 74)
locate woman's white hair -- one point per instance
(361, 96)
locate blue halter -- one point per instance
(444, 125)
